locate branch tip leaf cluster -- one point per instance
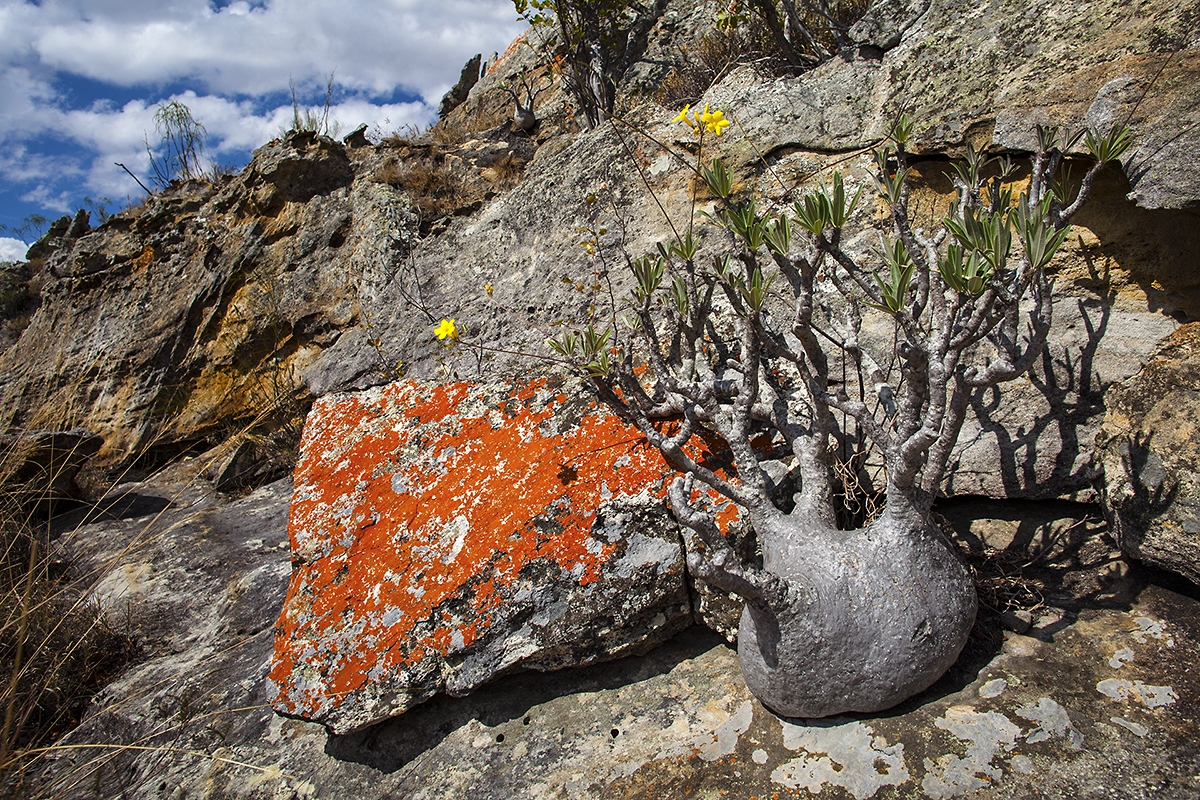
(756, 364)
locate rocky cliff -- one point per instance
(324, 268)
(210, 319)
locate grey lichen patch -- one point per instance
(725, 738)
(1121, 658)
(1148, 627)
(991, 735)
(840, 754)
(1136, 728)
(1052, 720)
(1137, 692)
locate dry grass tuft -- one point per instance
(504, 172)
(710, 59)
(719, 52)
(56, 646)
(434, 186)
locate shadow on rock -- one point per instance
(126, 505)
(1039, 566)
(391, 745)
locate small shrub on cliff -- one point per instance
(314, 120)
(710, 59)
(597, 40)
(31, 228)
(802, 34)
(180, 152)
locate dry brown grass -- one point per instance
(710, 59)
(505, 172)
(719, 52)
(56, 646)
(406, 136)
(59, 648)
(449, 131)
(435, 188)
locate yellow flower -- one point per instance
(715, 121)
(685, 119)
(487, 287)
(446, 330)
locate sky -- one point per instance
(82, 79)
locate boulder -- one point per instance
(1149, 448)
(466, 80)
(357, 137)
(51, 240)
(443, 536)
(885, 22)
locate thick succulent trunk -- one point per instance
(872, 616)
(839, 621)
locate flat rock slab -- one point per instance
(1041, 719)
(444, 535)
(1099, 699)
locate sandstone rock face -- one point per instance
(1150, 451)
(325, 265)
(986, 72)
(1124, 277)
(200, 309)
(443, 536)
(167, 322)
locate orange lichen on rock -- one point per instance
(145, 258)
(443, 534)
(508, 53)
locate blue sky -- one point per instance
(81, 80)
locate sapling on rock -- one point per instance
(739, 342)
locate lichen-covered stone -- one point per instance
(443, 536)
(1150, 450)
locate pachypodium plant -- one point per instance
(738, 341)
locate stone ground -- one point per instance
(1097, 698)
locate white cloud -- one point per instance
(119, 136)
(44, 195)
(375, 45)
(238, 58)
(19, 165)
(12, 249)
